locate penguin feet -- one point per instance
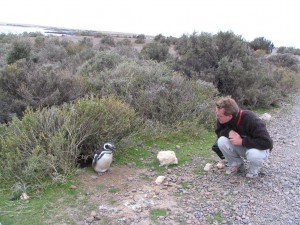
(106, 171)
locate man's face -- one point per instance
(221, 117)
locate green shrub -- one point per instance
(26, 84)
(108, 40)
(200, 54)
(101, 62)
(39, 42)
(4, 47)
(125, 42)
(227, 44)
(156, 51)
(176, 100)
(287, 80)
(48, 142)
(155, 92)
(167, 40)
(20, 50)
(86, 42)
(259, 53)
(53, 52)
(226, 60)
(73, 48)
(127, 51)
(197, 53)
(291, 50)
(140, 39)
(263, 44)
(160, 38)
(255, 87)
(263, 93)
(285, 60)
(101, 120)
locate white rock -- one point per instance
(167, 157)
(160, 179)
(266, 117)
(207, 167)
(24, 196)
(220, 165)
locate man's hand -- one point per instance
(235, 138)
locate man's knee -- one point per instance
(256, 156)
(223, 142)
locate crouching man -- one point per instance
(241, 135)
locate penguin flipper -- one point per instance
(95, 160)
(94, 163)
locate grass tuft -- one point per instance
(157, 212)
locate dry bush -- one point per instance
(4, 47)
(103, 61)
(290, 50)
(20, 50)
(127, 51)
(285, 60)
(52, 52)
(156, 92)
(47, 143)
(108, 40)
(255, 87)
(28, 84)
(124, 42)
(226, 60)
(140, 39)
(262, 44)
(287, 80)
(156, 51)
(177, 100)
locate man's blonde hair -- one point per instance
(229, 105)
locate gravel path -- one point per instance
(272, 198)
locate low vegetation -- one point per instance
(61, 98)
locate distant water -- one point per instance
(7, 29)
(20, 29)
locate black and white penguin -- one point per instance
(103, 158)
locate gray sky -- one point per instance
(275, 20)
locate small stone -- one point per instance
(93, 214)
(94, 177)
(97, 218)
(160, 179)
(130, 178)
(220, 165)
(207, 167)
(90, 219)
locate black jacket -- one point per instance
(251, 128)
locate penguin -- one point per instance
(103, 158)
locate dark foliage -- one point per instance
(156, 51)
(20, 50)
(262, 44)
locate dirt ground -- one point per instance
(128, 194)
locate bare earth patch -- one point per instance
(126, 195)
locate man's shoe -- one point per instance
(232, 169)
